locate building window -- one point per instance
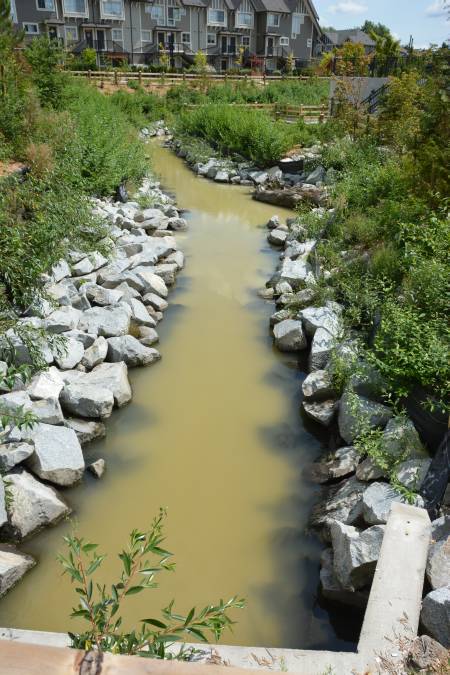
(31, 28)
(244, 19)
(157, 14)
(112, 8)
(70, 34)
(245, 40)
(309, 42)
(117, 35)
(297, 20)
(186, 38)
(212, 39)
(49, 5)
(284, 41)
(173, 15)
(216, 17)
(75, 7)
(273, 20)
(146, 35)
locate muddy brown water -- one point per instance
(214, 434)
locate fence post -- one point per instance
(116, 80)
(140, 78)
(89, 75)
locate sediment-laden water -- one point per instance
(214, 434)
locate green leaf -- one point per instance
(155, 622)
(134, 589)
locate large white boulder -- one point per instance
(318, 386)
(57, 454)
(322, 346)
(289, 336)
(150, 282)
(140, 315)
(95, 354)
(128, 349)
(355, 553)
(377, 502)
(47, 384)
(296, 272)
(33, 505)
(86, 430)
(71, 355)
(438, 564)
(48, 411)
(321, 411)
(13, 565)
(113, 377)
(107, 321)
(87, 400)
(63, 319)
(320, 317)
(3, 514)
(12, 454)
(435, 614)
(99, 295)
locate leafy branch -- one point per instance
(100, 606)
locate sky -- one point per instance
(426, 20)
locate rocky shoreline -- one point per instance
(351, 515)
(107, 311)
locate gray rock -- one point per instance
(412, 472)
(400, 438)
(259, 177)
(368, 470)
(314, 318)
(151, 283)
(289, 336)
(13, 566)
(155, 301)
(33, 505)
(296, 272)
(333, 590)
(427, 656)
(178, 224)
(322, 347)
(140, 315)
(95, 354)
(148, 336)
(12, 454)
(113, 377)
(176, 257)
(63, 319)
(84, 266)
(279, 316)
(85, 430)
(377, 502)
(355, 553)
(48, 411)
(318, 386)
(440, 528)
(355, 412)
(266, 293)
(435, 614)
(221, 177)
(86, 339)
(277, 237)
(97, 468)
(15, 402)
(343, 503)
(273, 223)
(283, 288)
(438, 564)
(342, 463)
(316, 176)
(107, 321)
(320, 411)
(128, 349)
(60, 271)
(99, 295)
(47, 384)
(3, 513)
(87, 400)
(57, 454)
(71, 355)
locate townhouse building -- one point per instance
(254, 33)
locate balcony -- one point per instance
(100, 46)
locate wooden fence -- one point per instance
(308, 112)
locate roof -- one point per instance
(272, 6)
(338, 37)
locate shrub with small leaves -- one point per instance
(142, 560)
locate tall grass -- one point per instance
(247, 133)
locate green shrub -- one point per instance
(45, 57)
(250, 134)
(109, 148)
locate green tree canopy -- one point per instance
(379, 29)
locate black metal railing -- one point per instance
(100, 46)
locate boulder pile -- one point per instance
(106, 310)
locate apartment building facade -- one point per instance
(255, 33)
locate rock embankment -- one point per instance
(357, 499)
(107, 312)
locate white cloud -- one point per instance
(348, 7)
(438, 8)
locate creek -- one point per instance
(214, 433)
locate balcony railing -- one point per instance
(109, 46)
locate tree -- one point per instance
(290, 63)
(45, 57)
(378, 29)
(387, 51)
(351, 60)
(200, 61)
(9, 36)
